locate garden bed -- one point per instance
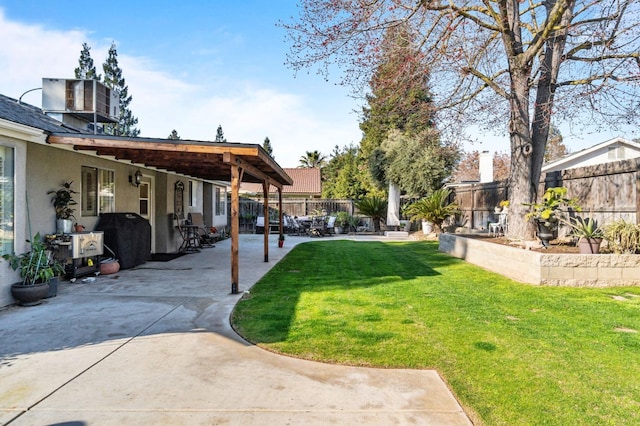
(545, 267)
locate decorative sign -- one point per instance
(178, 200)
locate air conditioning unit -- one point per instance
(88, 100)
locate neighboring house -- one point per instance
(39, 153)
(606, 152)
(307, 183)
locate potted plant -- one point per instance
(62, 200)
(342, 222)
(37, 267)
(281, 240)
(588, 232)
(548, 214)
(433, 210)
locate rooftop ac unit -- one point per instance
(87, 99)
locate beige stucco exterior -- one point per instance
(40, 167)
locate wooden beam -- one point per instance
(230, 158)
(280, 207)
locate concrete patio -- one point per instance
(153, 345)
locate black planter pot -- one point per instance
(53, 287)
(29, 295)
(545, 233)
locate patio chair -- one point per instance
(206, 236)
(499, 227)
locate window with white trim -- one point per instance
(98, 191)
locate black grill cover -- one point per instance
(128, 235)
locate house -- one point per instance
(605, 152)
(307, 183)
(154, 178)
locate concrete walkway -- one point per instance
(153, 345)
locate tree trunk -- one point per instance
(522, 181)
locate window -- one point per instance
(98, 195)
(616, 152)
(6, 199)
(220, 201)
(192, 194)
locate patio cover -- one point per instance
(229, 162)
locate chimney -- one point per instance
(486, 167)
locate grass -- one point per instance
(513, 354)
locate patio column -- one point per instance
(280, 208)
(265, 234)
(236, 178)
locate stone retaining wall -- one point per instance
(574, 270)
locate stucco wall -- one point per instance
(41, 168)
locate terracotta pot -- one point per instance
(109, 267)
(589, 245)
(280, 243)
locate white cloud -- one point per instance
(248, 111)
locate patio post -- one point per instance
(265, 234)
(236, 178)
(280, 208)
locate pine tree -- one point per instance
(220, 134)
(174, 135)
(267, 147)
(114, 80)
(86, 69)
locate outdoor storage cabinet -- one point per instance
(128, 235)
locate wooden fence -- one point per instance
(609, 191)
(251, 208)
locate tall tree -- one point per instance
(220, 134)
(114, 80)
(174, 135)
(267, 147)
(506, 64)
(86, 69)
(312, 159)
(400, 142)
(342, 176)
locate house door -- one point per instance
(147, 206)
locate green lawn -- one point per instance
(513, 354)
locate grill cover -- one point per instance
(128, 235)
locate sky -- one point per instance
(197, 64)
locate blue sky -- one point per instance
(194, 65)
(190, 65)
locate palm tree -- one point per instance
(375, 207)
(312, 160)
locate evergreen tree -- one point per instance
(342, 175)
(220, 135)
(174, 135)
(114, 80)
(86, 69)
(398, 124)
(267, 147)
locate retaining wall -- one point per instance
(573, 270)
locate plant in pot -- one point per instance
(433, 209)
(281, 240)
(62, 201)
(622, 237)
(588, 232)
(342, 222)
(37, 267)
(548, 214)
